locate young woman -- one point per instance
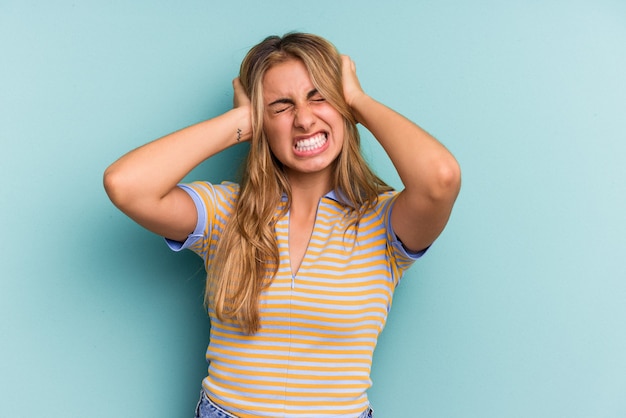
(303, 256)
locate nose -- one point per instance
(304, 118)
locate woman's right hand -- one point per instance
(241, 100)
(143, 182)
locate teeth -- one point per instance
(312, 143)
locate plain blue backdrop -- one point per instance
(519, 310)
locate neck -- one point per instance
(307, 190)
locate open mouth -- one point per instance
(312, 143)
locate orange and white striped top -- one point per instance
(312, 356)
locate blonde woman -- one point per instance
(303, 256)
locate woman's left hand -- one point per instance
(352, 90)
(429, 172)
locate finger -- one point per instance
(239, 95)
(348, 63)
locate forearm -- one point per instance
(421, 161)
(151, 171)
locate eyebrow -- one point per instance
(289, 101)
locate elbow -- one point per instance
(447, 181)
(115, 186)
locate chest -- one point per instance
(344, 281)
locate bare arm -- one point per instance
(142, 183)
(430, 174)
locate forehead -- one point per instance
(286, 79)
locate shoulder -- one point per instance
(385, 201)
(209, 191)
(212, 199)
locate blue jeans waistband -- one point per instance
(206, 408)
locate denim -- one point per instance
(368, 413)
(207, 409)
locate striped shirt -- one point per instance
(313, 353)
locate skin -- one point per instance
(429, 172)
(143, 182)
(295, 111)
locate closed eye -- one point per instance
(280, 105)
(281, 109)
(315, 96)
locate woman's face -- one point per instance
(304, 131)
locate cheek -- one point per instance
(340, 130)
(272, 126)
(334, 119)
(274, 139)
(277, 130)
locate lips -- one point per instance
(312, 143)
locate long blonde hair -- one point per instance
(246, 257)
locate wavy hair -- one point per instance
(246, 257)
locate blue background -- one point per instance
(519, 310)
